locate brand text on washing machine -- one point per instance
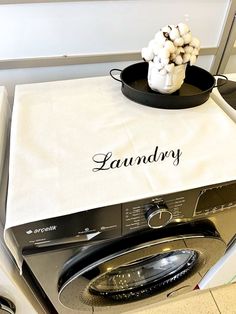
(105, 161)
(42, 230)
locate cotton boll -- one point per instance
(174, 34)
(170, 46)
(186, 57)
(195, 52)
(179, 42)
(180, 50)
(166, 35)
(178, 60)
(192, 59)
(151, 43)
(187, 38)
(173, 56)
(188, 49)
(156, 48)
(166, 29)
(183, 29)
(171, 26)
(147, 54)
(195, 42)
(170, 67)
(160, 38)
(164, 53)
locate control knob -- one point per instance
(157, 215)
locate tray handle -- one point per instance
(223, 83)
(111, 74)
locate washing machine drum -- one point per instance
(140, 266)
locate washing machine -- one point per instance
(223, 271)
(113, 205)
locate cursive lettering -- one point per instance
(105, 161)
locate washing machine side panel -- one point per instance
(46, 267)
(14, 288)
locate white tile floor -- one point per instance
(221, 300)
(225, 298)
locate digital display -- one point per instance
(215, 198)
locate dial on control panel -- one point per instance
(157, 215)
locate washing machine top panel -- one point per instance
(81, 144)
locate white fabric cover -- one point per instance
(58, 127)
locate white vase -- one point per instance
(165, 83)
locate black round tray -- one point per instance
(195, 90)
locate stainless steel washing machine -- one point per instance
(113, 205)
(112, 258)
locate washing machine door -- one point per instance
(137, 267)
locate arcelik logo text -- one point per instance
(42, 230)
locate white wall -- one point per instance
(92, 27)
(231, 65)
(28, 30)
(12, 77)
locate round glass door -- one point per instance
(144, 276)
(124, 272)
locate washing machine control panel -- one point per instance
(216, 198)
(81, 227)
(157, 212)
(154, 212)
(116, 220)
